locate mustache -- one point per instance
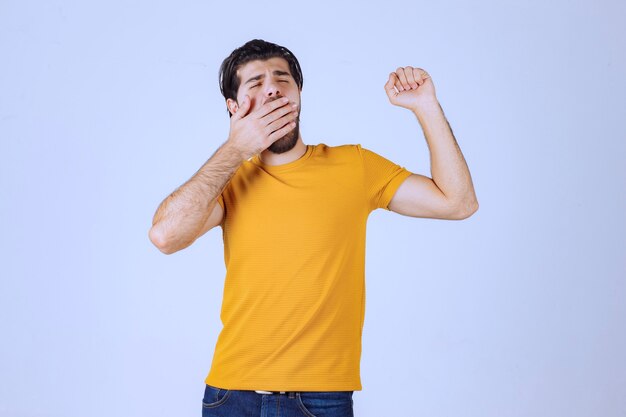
(274, 98)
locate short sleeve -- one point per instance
(382, 178)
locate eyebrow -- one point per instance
(260, 76)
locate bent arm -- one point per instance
(181, 217)
(450, 193)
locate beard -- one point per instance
(287, 142)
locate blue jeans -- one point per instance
(220, 402)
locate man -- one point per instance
(293, 219)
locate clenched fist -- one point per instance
(410, 88)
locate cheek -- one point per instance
(254, 103)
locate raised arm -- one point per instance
(189, 212)
(449, 194)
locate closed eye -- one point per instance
(258, 84)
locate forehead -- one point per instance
(257, 67)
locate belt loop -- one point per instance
(292, 394)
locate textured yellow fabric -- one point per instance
(294, 248)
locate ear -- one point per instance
(232, 105)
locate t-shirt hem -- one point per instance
(291, 386)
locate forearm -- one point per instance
(181, 216)
(448, 167)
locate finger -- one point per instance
(423, 75)
(279, 112)
(417, 74)
(277, 134)
(408, 71)
(269, 107)
(403, 83)
(389, 86)
(280, 122)
(396, 83)
(243, 110)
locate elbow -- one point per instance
(159, 241)
(466, 209)
(473, 208)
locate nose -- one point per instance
(271, 90)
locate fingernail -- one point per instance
(285, 100)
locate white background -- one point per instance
(107, 107)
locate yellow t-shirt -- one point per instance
(294, 249)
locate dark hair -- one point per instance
(256, 49)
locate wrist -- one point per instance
(234, 151)
(426, 107)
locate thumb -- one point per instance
(244, 108)
(389, 89)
